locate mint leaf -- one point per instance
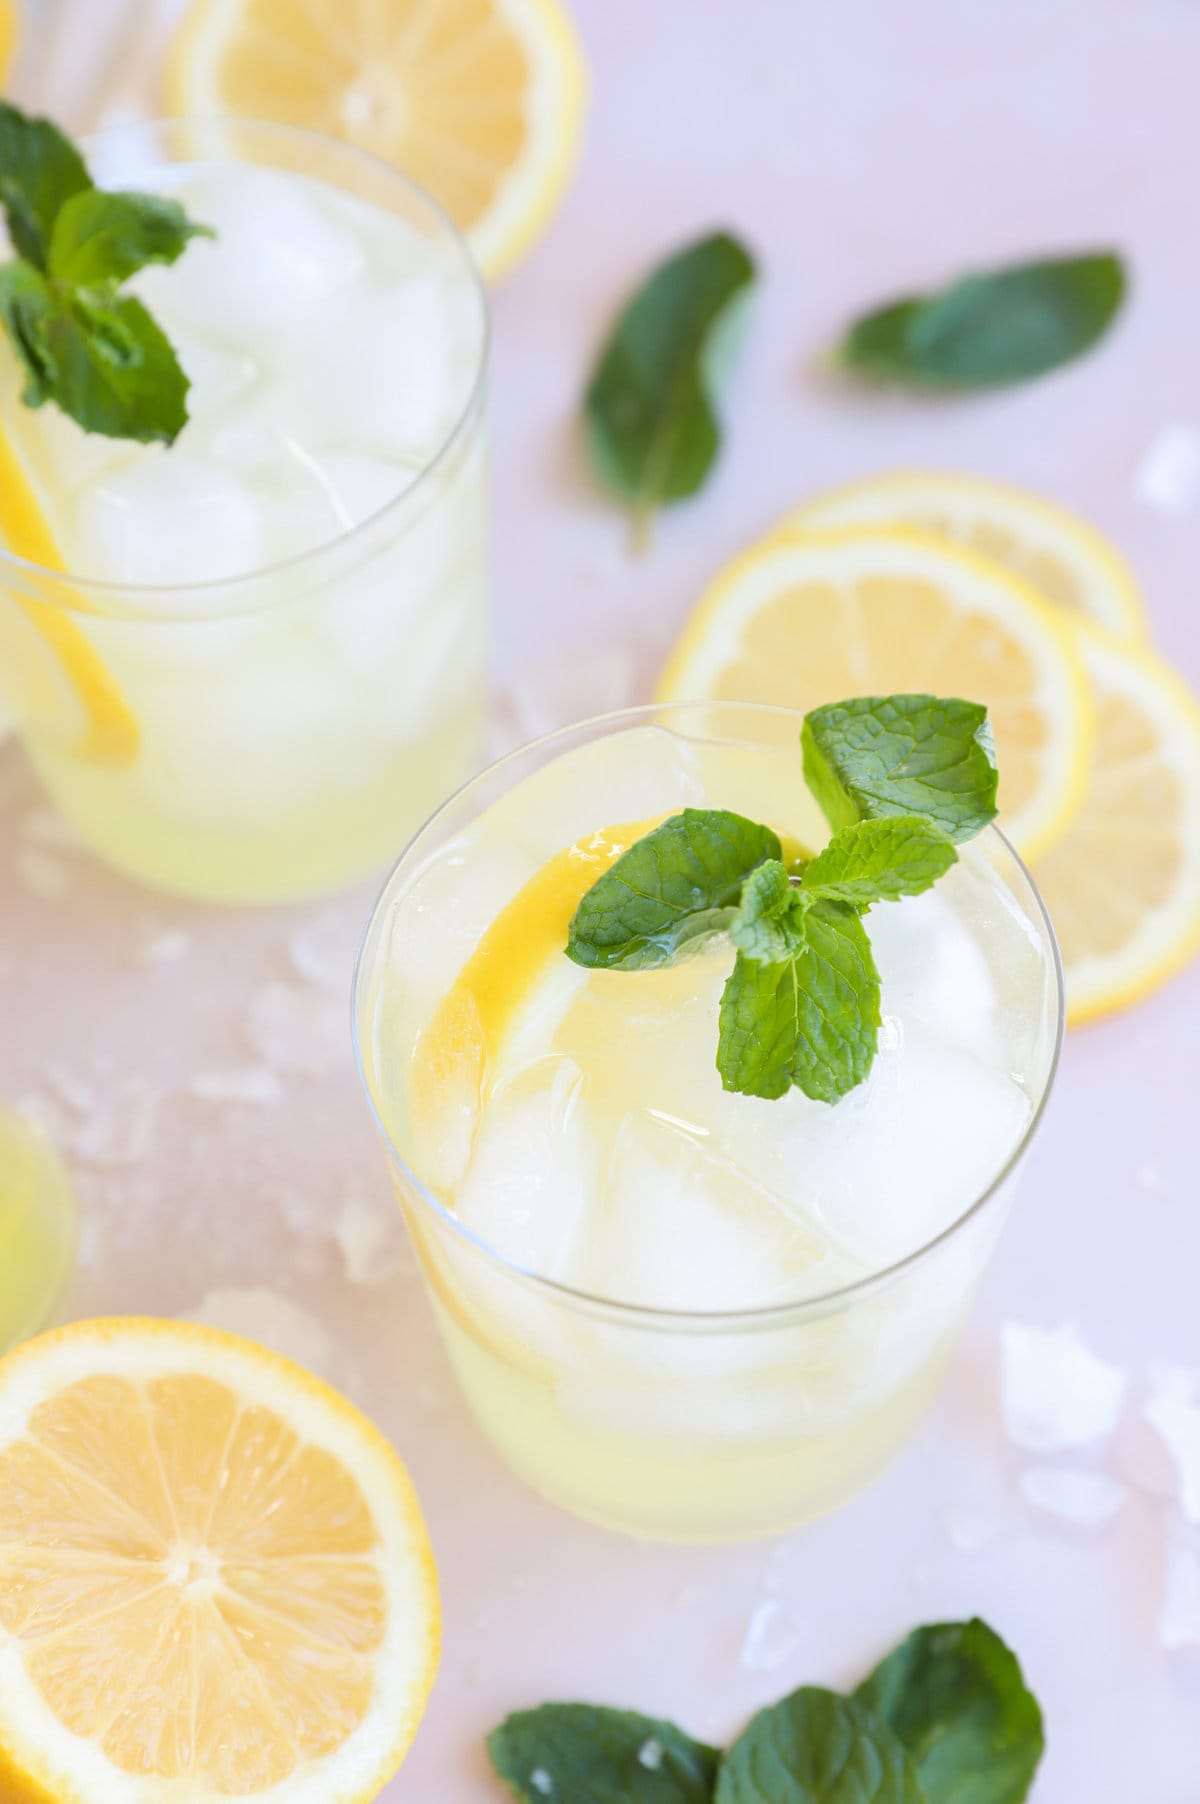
(678, 882)
(954, 1695)
(811, 1020)
(650, 407)
(992, 328)
(40, 170)
(584, 1754)
(883, 755)
(817, 1748)
(880, 861)
(100, 238)
(769, 923)
(101, 358)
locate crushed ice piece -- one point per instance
(296, 1028)
(43, 876)
(541, 1781)
(1168, 477)
(120, 1130)
(1177, 1422)
(1152, 1179)
(362, 1234)
(46, 827)
(276, 1322)
(773, 1634)
(1074, 1494)
(165, 948)
(651, 1755)
(1179, 1617)
(243, 1083)
(325, 951)
(74, 1091)
(970, 1531)
(1054, 1391)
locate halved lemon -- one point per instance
(1066, 560)
(214, 1577)
(1123, 883)
(807, 618)
(481, 101)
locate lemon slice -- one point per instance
(110, 733)
(802, 619)
(214, 1577)
(1123, 883)
(1064, 558)
(481, 101)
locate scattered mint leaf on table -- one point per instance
(991, 328)
(96, 353)
(811, 1020)
(881, 755)
(677, 883)
(954, 1695)
(650, 407)
(584, 1754)
(817, 1748)
(900, 778)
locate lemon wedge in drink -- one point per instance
(214, 1577)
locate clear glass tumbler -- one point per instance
(680, 1424)
(263, 735)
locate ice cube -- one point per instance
(774, 1634)
(1055, 1392)
(1176, 1419)
(391, 383)
(362, 486)
(241, 1083)
(295, 1028)
(369, 1242)
(165, 517)
(1168, 477)
(1074, 1494)
(279, 259)
(865, 1165)
(218, 379)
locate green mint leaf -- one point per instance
(584, 1754)
(883, 755)
(769, 923)
(954, 1695)
(650, 407)
(992, 328)
(811, 1020)
(26, 305)
(818, 1748)
(880, 861)
(100, 238)
(101, 358)
(676, 883)
(40, 170)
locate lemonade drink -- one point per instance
(675, 1310)
(266, 660)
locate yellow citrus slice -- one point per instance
(214, 1577)
(37, 1227)
(1063, 557)
(806, 618)
(1123, 883)
(480, 101)
(110, 732)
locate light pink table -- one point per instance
(861, 147)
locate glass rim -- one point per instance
(651, 1316)
(404, 502)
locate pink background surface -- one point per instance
(861, 147)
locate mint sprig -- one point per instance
(945, 1719)
(991, 328)
(900, 779)
(96, 353)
